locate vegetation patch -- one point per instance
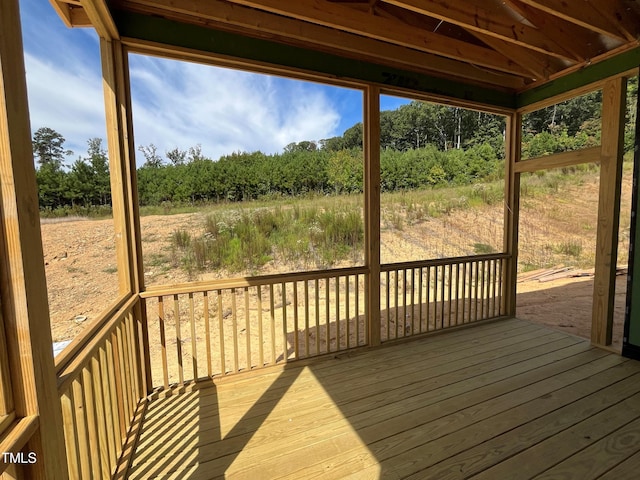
(247, 239)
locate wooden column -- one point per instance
(371, 146)
(25, 308)
(126, 213)
(613, 114)
(513, 146)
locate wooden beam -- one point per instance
(79, 17)
(559, 160)
(344, 18)
(159, 36)
(124, 193)
(493, 23)
(23, 288)
(372, 210)
(513, 147)
(600, 69)
(540, 66)
(100, 16)
(579, 42)
(623, 15)
(613, 115)
(224, 15)
(63, 10)
(580, 13)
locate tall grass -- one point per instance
(247, 239)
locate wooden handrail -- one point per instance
(85, 351)
(87, 334)
(389, 267)
(243, 282)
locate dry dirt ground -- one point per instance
(82, 276)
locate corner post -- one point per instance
(371, 148)
(604, 288)
(25, 306)
(126, 212)
(513, 148)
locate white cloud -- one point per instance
(68, 100)
(176, 104)
(184, 104)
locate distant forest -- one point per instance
(422, 145)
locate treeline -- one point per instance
(421, 145)
(84, 183)
(248, 176)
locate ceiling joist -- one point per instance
(218, 14)
(510, 46)
(354, 21)
(490, 23)
(581, 13)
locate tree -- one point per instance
(99, 162)
(176, 156)
(48, 147)
(151, 157)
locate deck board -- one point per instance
(504, 400)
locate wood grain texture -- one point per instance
(453, 406)
(25, 309)
(613, 113)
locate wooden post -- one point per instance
(126, 215)
(513, 147)
(25, 307)
(371, 147)
(613, 114)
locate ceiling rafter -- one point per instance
(534, 62)
(490, 23)
(581, 13)
(226, 16)
(621, 13)
(582, 43)
(351, 20)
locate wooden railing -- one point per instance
(100, 392)
(429, 295)
(204, 329)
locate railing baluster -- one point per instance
(92, 421)
(247, 327)
(397, 302)
(442, 294)
(260, 328)
(327, 322)
(234, 330)
(449, 288)
(272, 313)
(420, 286)
(223, 360)
(285, 348)
(494, 283)
(163, 341)
(388, 305)
(428, 299)
(457, 296)
(357, 300)
(207, 331)
(194, 340)
(347, 310)
(464, 289)
(81, 429)
(176, 315)
(296, 327)
(101, 414)
(338, 333)
(306, 318)
(317, 304)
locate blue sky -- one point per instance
(175, 104)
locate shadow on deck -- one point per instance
(509, 399)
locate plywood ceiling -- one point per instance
(506, 43)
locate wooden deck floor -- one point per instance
(497, 401)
